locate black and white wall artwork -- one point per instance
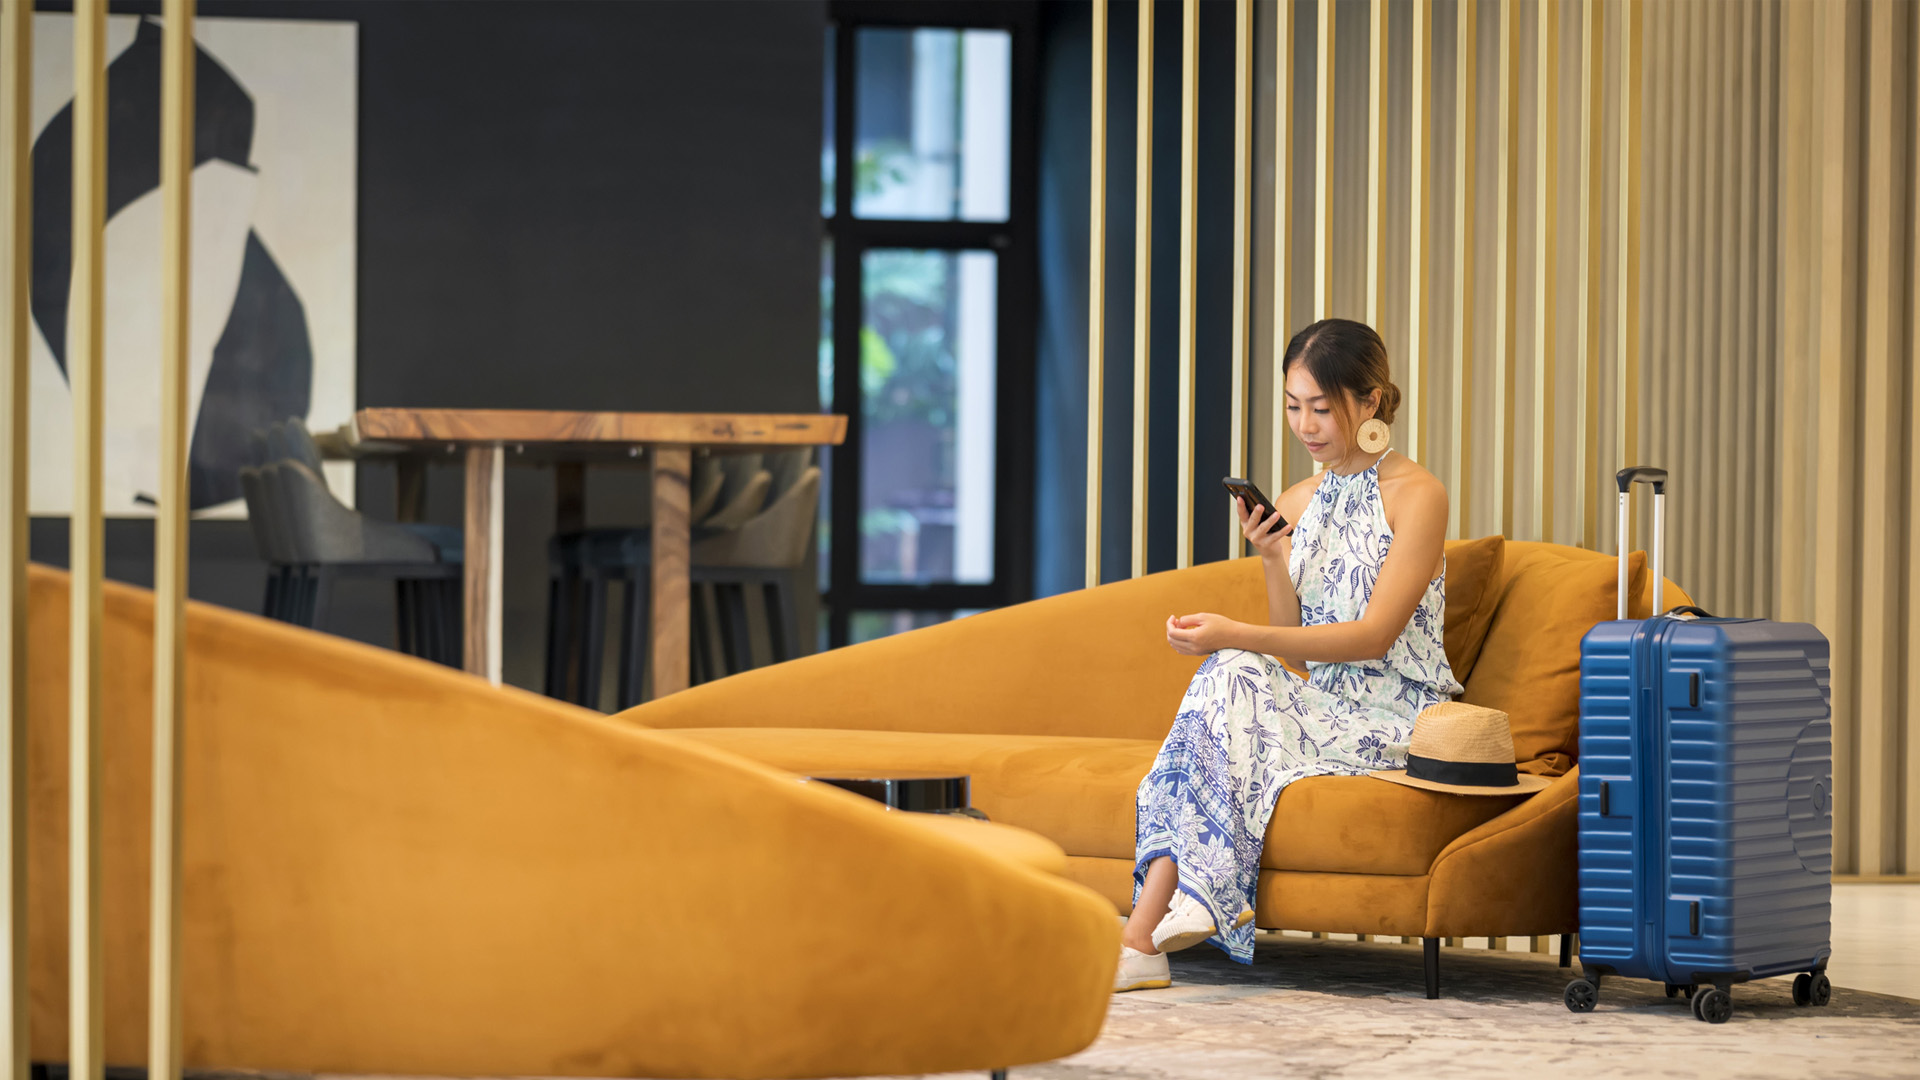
(272, 330)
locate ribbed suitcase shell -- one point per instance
(1724, 803)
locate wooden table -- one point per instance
(568, 441)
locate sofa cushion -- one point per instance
(1531, 660)
(1472, 566)
(1079, 792)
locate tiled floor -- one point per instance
(1876, 939)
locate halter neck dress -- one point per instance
(1248, 727)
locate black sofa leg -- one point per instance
(999, 1074)
(1431, 947)
(1566, 950)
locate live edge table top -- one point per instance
(535, 428)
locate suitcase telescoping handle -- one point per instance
(1626, 478)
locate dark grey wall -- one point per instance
(561, 205)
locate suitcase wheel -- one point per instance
(1673, 990)
(1581, 996)
(1812, 988)
(1713, 1005)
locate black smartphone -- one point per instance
(1249, 494)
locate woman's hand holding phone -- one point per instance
(1258, 527)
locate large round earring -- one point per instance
(1373, 436)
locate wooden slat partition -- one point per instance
(1189, 220)
(1419, 237)
(1626, 337)
(1506, 277)
(1546, 177)
(1883, 293)
(1910, 826)
(85, 354)
(170, 541)
(1587, 352)
(1279, 436)
(1376, 158)
(1097, 293)
(1323, 161)
(1746, 363)
(1240, 419)
(1459, 466)
(16, 204)
(1142, 282)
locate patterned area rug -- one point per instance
(1310, 1008)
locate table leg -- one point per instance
(672, 466)
(481, 616)
(410, 488)
(569, 496)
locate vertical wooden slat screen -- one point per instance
(1459, 468)
(1882, 293)
(1626, 337)
(1834, 599)
(1587, 352)
(1279, 437)
(1142, 282)
(170, 542)
(1744, 282)
(1189, 221)
(1097, 292)
(1241, 419)
(16, 190)
(1419, 236)
(1546, 178)
(1376, 157)
(85, 980)
(1506, 276)
(1323, 161)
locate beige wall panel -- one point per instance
(1720, 539)
(1910, 729)
(1683, 504)
(1239, 439)
(1546, 168)
(1189, 219)
(1745, 365)
(1883, 355)
(1586, 382)
(1096, 291)
(1768, 351)
(1465, 151)
(1142, 283)
(1419, 235)
(16, 196)
(1627, 261)
(1835, 506)
(1662, 161)
(1325, 24)
(1793, 429)
(1376, 236)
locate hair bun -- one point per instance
(1389, 403)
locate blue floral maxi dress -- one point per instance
(1248, 727)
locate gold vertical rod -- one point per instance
(1189, 219)
(1626, 394)
(1142, 282)
(85, 1022)
(1743, 540)
(1242, 252)
(1587, 352)
(170, 541)
(1097, 292)
(1882, 358)
(1282, 233)
(1835, 507)
(1796, 255)
(1506, 263)
(1376, 156)
(1720, 480)
(1418, 301)
(1459, 467)
(1664, 161)
(1323, 164)
(1910, 827)
(1546, 177)
(16, 203)
(1691, 343)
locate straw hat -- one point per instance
(1463, 749)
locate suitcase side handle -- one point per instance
(1625, 479)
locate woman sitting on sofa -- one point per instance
(1355, 596)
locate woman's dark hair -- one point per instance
(1349, 361)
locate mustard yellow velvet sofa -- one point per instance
(1056, 707)
(392, 867)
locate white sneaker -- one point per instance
(1187, 924)
(1140, 971)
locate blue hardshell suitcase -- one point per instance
(1706, 779)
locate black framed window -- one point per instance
(928, 313)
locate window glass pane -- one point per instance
(827, 156)
(933, 124)
(868, 625)
(927, 381)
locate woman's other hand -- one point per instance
(1198, 635)
(1257, 526)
